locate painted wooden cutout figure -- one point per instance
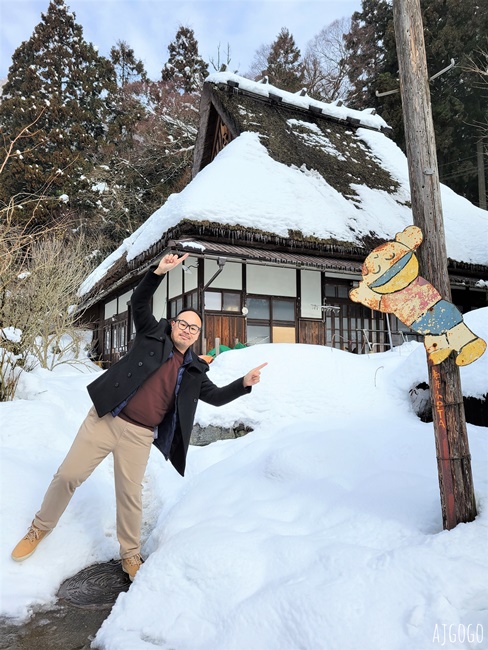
(391, 283)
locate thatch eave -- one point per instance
(123, 271)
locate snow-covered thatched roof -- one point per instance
(327, 174)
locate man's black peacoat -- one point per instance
(151, 347)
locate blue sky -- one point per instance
(148, 26)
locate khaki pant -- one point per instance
(130, 445)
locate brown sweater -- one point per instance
(156, 396)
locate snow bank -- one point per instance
(319, 529)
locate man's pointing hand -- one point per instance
(253, 376)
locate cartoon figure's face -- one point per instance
(390, 267)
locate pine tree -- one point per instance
(371, 47)
(128, 104)
(58, 81)
(185, 68)
(285, 68)
(452, 30)
(134, 176)
(127, 68)
(456, 30)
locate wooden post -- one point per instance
(453, 458)
(481, 173)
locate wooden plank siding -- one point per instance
(222, 137)
(311, 331)
(227, 328)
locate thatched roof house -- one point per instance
(288, 196)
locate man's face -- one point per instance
(181, 335)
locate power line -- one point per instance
(454, 162)
(457, 175)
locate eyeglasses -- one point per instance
(183, 325)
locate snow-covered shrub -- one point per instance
(39, 313)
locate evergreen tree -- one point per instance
(128, 104)
(127, 68)
(185, 67)
(134, 175)
(285, 68)
(452, 30)
(58, 81)
(372, 53)
(456, 30)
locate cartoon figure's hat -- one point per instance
(394, 255)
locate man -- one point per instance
(149, 396)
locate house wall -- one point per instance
(311, 294)
(190, 278)
(286, 305)
(229, 278)
(110, 309)
(251, 303)
(113, 332)
(160, 299)
(271, 280)
(175, 283)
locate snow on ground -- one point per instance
(321, 529)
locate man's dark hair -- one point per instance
(182, 311)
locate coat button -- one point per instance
(116, 384)
(195, 399)
(129, 374)
(140, 363)
(151, 354)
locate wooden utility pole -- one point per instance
(453, 458)
(481, 173)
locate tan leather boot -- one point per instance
(131, 565)
(29, 543)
